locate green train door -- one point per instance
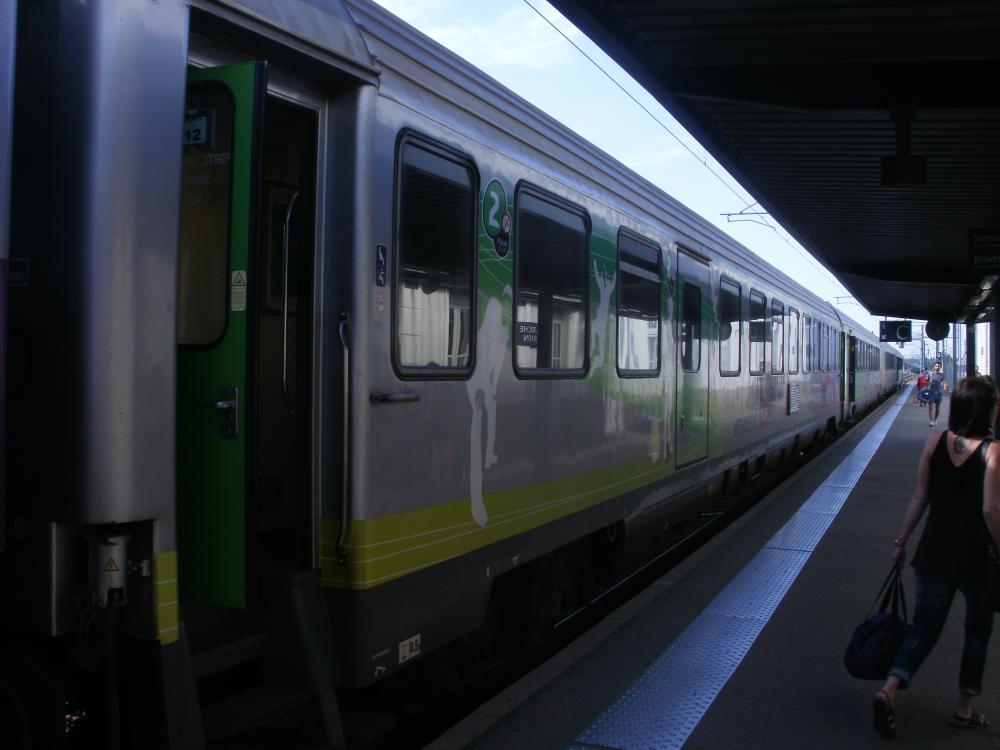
(693, 299)
(216, 304)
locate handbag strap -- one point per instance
(899, 597)
(892, 595)
(885, 591)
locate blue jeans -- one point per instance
(934, 597)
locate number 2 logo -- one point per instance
(494, 208)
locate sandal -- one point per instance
(884, 715)
(975, 721)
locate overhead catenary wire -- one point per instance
(700, 159)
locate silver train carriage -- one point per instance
(408, 338)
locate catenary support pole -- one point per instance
(970, 349)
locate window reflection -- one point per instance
(730, 326)
(690, 333)
(758, 332)
(204, 227)
(793, 341)
(551, 261)
(777, 336)
(638, 305)
(436, 246)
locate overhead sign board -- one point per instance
(984, 249)
(894, 330)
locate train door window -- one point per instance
(758, 332)
(638, 306)
(204, 232)
(730, 326)
(434, 261)
(806, 343)
(816, 345)
(551, 282)
(690, 334)
(793, 341)
(777, 336)
(824, 351)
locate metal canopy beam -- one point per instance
(870, 131)
(837, 86)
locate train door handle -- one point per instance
(682, 421)
(228, 409)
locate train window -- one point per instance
(816, 338)
(758, 332)
(204, 231)
(690, 335)
(793, 341)
(777, 336)
(730, 326)
(807, 348)
(551, 282)
(824, 348)
(434, 262)
(638, 306)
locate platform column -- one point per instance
(970, 348)
(994, 346)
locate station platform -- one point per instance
(741, 645)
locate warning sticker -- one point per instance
(111, 566)
(238, 292)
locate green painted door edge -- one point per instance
(212, 488)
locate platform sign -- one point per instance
(527, 334)
(894, 330)
(984, 249)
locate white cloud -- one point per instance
(518, 37)
(415, 12)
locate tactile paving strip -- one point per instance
(661, 708)
(802, 532)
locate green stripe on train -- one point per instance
(383, 549)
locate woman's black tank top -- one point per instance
(955, 537)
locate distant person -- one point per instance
(921, 384)
(958, 477)
(938, 387)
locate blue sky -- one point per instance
(512, 43)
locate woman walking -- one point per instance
(958, 477)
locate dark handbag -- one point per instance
(874, 644)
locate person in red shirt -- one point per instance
(921, 384)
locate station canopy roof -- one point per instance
(870, 129)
